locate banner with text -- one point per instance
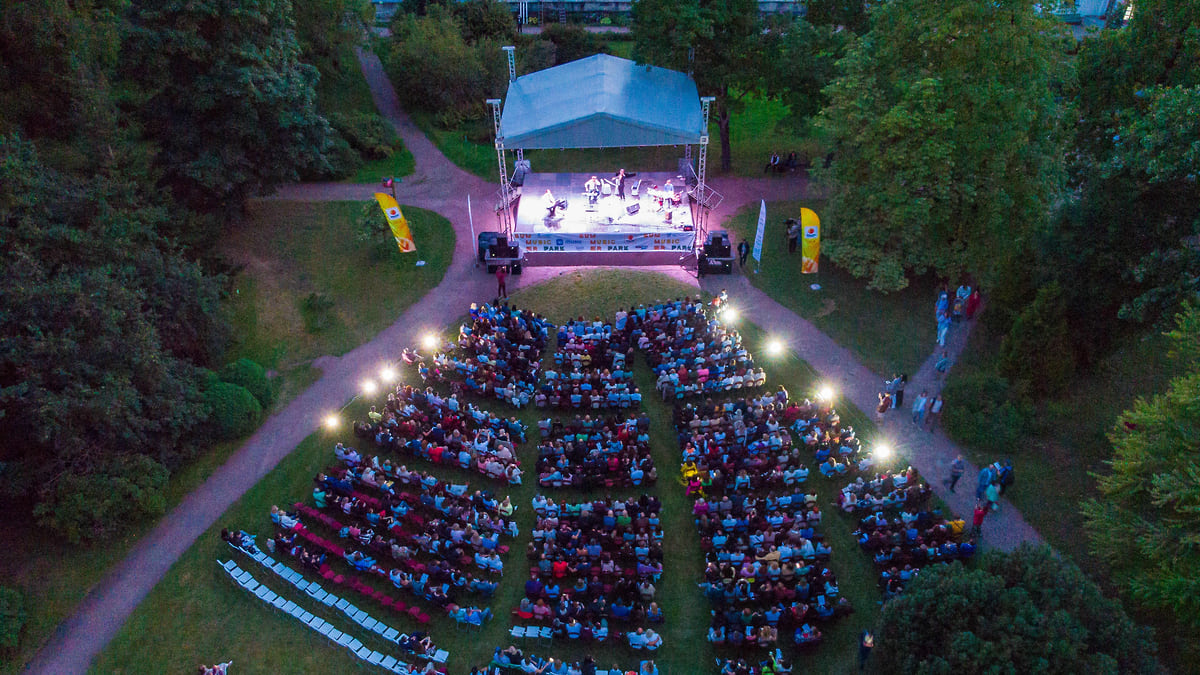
(592, 242)
(758, 234)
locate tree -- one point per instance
(253, 377)
(226, 98)
(572, 42)
(1037, 351)
(725, 38)
(1147, 524)
(851, 14)
(12, 617)
(327, 29)
(946, 139)
(1021, 612)
(802, 58)
(103, 501)
(485, 20)
(437, 69)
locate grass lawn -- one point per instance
(343, 89)
(196, 614)
(754, 133)
(290, 250)
(888, 333)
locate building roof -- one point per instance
(601, 101)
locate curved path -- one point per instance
(440, 186)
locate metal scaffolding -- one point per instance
(504, 206)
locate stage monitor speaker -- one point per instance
(502, 242)
(633, 208)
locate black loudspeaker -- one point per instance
(633, 208)
(502, 242)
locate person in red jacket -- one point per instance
(501, 277)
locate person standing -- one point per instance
(793, 234)
(1006, 476)
(957, 468)
(977, 518)
(743, 252)
(935, 412)
(865, 644)
(501, 278)
(620, 178)
(973, 301)
(918, 409)
(901, 383)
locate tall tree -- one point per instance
(1147, 525)
(946, 138)
(724, 37)
(1028, 611)
(849, 14)
(227, 99)
(802, 60)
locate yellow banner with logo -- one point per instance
(396, 221)
(810, 237)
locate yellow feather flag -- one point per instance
(810, 238)
(396, 220)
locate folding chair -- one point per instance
(333, 634)
(391, 634)
(250, 585)
(306, 616)
(363, 653)
(380, 628)
(369, 623)
(344, 640)
(546, 633)
(228, 565)
(375, 658)
(265, 594)
(440, 656)
(242, 576)
(279, 601)
(517, 631)
(388, 662)
(360, 616)
(342, 604)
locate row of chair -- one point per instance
(247, 581)
(314, 590)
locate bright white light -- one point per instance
(825, 394)
(387, 374)
(430, 341)
(331, 422)
(883, 451)
(729, 315)
(368, 387)
(775, 347)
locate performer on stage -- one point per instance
(620, 178)
(592, 189)
(550, 203)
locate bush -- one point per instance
(317, 310)
(343, 160)
(438, 70)
(235, 411)
(368, 133)
(91, 506)
(981, 412)
(1028, 611)
(1037, 351)
(573, 42)
(248, 374)
(372, 231)
(12, 617)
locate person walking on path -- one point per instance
(501, 278)
(943, 364)
(743, 252)
(901, 383)
(935, 411)
(985, 479)
(918, 408)
(1006, 476)
(973, 301)
(885, 403)
(957, 468)
(992, 492)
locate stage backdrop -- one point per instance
(578, 242)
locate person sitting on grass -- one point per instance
(287, 521)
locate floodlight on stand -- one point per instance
(331, 421)
(825, 393)
(883, 452)
(774, 347)
(729, 314)
(387, 374)
(368, 387)
(429, 341)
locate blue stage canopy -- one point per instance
(601, 101)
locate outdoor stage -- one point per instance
(657, 233)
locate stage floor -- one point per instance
(609, 215)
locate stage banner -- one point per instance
(762, 226)
(592, 242)
(396, 221)
(810, 231)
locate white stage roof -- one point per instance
(601, 101)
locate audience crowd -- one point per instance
(592, 453)
(592, 369)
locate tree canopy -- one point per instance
(946, 130)
(1147, 525)
(1028, 611)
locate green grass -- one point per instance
(343, 89)
(887, 333)
(289, 250)
(196, 614)
(757, 130)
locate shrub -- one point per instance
(981, 412)
(1037, 351)
(249, 374)
(235, 411)
(344, 161)
(573, 42)
(317, 310)
(368, 133)
(93, 505)
(12, 617)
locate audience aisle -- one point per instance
(440, 186)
